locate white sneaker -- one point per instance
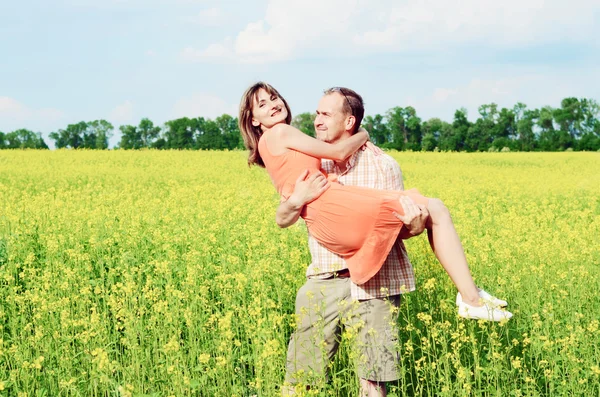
(485, 312)
(486, 297)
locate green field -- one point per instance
(154, 273)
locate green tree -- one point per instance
(209, 135)
(378, 130)
(527, 120)
(228, 126)
(23, 139)
(551, 138)
(160, 143)
(482, 133)
(589, 141)
(148, 132)
(504, 133)
(591, 111)
(479, 135)
(179, 133)
(89, 137)
(102, 131)
(454, 138)
(70, 137)
(506, 126)
(590, 138)
(404, 127)
(305, 122)
(519, 111)
(433, 129)
(131, 138)
(570, 117)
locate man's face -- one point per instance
(331, 121)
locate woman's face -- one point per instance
(268, 110)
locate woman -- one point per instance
(354, 222)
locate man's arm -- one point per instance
(306, 190)
(415, 216)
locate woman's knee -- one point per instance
(437, 208)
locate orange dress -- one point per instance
(354, 222)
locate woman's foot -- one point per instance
(485, 312)
(486, 298)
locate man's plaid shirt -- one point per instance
(396, 275)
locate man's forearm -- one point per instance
(288, 213)
(306, 189)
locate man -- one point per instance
(329, 301)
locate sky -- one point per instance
(65, 61)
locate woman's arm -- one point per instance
(295, 139)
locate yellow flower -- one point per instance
(426, 318)
(516, 362)
(429, 284)
(204, 358)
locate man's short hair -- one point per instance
(353, 105)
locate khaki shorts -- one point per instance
(325, 310)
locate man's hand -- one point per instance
(306, 190)
(414, 218)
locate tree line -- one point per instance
(575, 125)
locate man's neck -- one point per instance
(342, 166)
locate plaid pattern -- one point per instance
(396, 275)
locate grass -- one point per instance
(163, 273)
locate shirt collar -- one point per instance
(351, 163)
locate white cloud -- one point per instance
(110, 4)
(151, 53)
(294, 28)
(183, 2)
(122, 114)
(15, 115)
(442, 94)
(202, 105)
(10, 107)
(288, 27)
(535, 90)
(214, 52)
(208, 17)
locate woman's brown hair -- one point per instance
(250, 133)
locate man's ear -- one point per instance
(255, 122)
(350, 121)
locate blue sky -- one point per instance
(122, 60)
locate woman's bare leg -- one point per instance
(447, 247)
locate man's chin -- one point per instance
(323, 138)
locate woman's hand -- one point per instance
(376, 151)
(368, 144)
(362, 130)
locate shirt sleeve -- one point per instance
(393, 175)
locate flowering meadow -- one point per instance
(147, 273)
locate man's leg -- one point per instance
(316, 338)
(377, 357)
